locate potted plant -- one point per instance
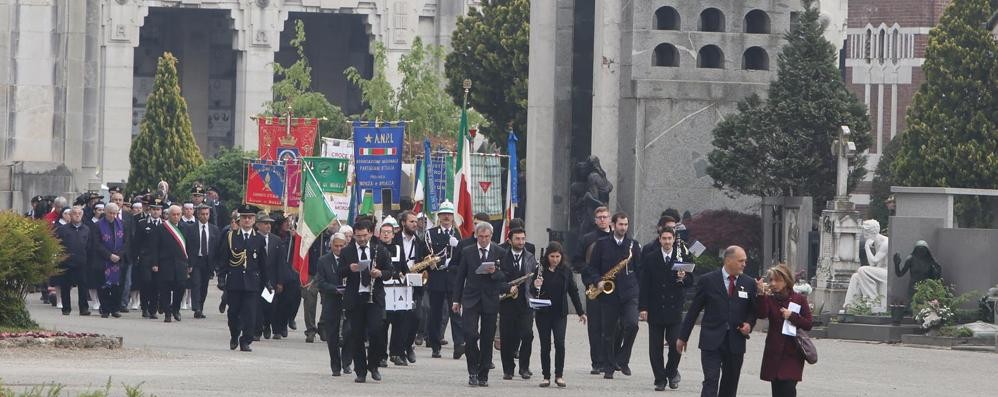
(933, 315)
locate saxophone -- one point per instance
(592, 292)
(423, 266)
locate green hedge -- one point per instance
(29, 255)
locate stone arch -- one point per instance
(666, 55)
(757, 22)
(710, 57)
(755, 58)
(667, 18)
(711, 20)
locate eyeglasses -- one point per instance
(603, 217)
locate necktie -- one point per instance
(266, 244)
(516, 262)
(204, 240)
(363, 252)
(483, 253)
(731, 286)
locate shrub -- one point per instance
(935, 303)
(29, 255)
(719, 229)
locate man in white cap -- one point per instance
(443, 239)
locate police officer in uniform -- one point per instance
(144, 250)
(241, 272)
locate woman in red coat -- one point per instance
(782, 361)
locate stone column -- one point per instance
(120, 24)
(196, 43)
(258, 33)
(548, 112)
(607, 59)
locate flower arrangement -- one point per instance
(933, 314)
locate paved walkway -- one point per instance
(191, 358)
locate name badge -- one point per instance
(743, 294)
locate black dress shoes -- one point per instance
(625, 370)
(526, 374)
(124, 310)
(507, 377)
(105, 315)
(375, 374)
(266, 333)
(116, 315)
(86, 313)
(277, 336)
(346, 369)
(660, 386)
(674, 381)
(245, 348)
(199, 314)
(167, 318)
(336, 373)
(383, 363)
(458, 351)
(176, 315)
(399, 361)
(233, 343)
(145, 313)
(292, 325)
(436, 353)
(410, 355)
(360, 380)
(221, 307)
(608, 375)
(483, 383)
(472, 380)
(152, 316)
(256, 338)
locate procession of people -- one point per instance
(388, 285)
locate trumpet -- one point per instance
(593, 292)
(516, 281)
(424, 266)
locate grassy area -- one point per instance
(55, 390)
(17, 329)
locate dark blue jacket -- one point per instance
(76, 240)
(722, 314)
(605, 255)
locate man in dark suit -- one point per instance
(76, 240)
(365, 265)
(330, 285)
(144, 256)
(414, 249)
(444, 239)
(202, 252)
(479, 282)
(662, 297)
(287, 284)
(619, 310)
(601, 219)
(242, 270)
(172, 268)
(727, 299)
(516, 320)
(272, 249)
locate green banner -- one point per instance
(331, 173)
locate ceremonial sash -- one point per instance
(177, 236)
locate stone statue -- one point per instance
(590, 189)
(920, 263)
(869, 283)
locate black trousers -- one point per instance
(241, 314)
(199, 286)
(551, 324)
(720, 365)
(67, 280)
(149, 296)
(784, 388)
(171, 294)
(516, 332)
(618, 342)
(264, 315)
(438, 306)
(398, 321)
(367, 323)
(414, 320)
(657, 335)
(332, 312)
(110, 298)
(595, 330)
(478, 344)
(285, 306)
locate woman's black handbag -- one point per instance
(806, 347)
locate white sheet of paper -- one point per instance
(267, 295)
(686, 267)
(539, 303)
(481, 269)
(414, 279)
(790, 329)
(697, 248)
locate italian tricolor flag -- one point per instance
(381, 151)
(316, 215)
(462, 174)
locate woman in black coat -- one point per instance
(554, 280)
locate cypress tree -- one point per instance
(951, 139)
(165, 148)
(782, 147)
